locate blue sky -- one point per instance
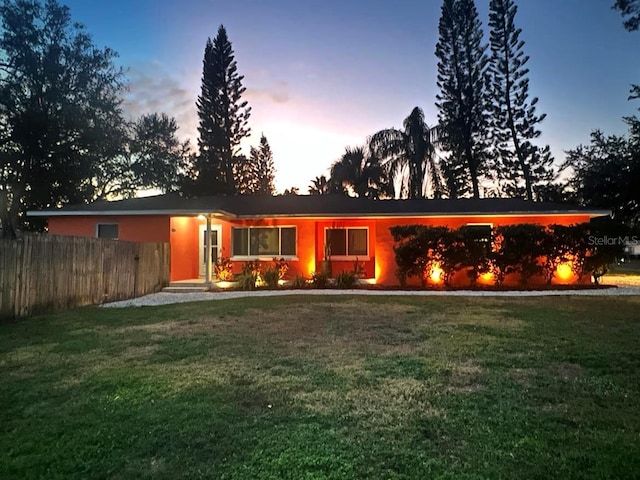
(322, 75)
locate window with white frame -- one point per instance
(263, 241)
(347, 242)
(107, 230)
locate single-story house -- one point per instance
(301, 229)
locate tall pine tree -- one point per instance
(520, 165)
(462, 102)
(256, 174)
(223, 119)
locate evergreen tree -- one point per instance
(256, 175)
(223, 119)
(520, 165)
(262, 157)
(462, 103)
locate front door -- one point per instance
(216, 247)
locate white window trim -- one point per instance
(98, 225)
(265, 257)
(348, 258)
(480, 224)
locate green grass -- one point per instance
(326, 387)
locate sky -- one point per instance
(322, 75)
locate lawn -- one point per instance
(326, 387)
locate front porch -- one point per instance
(187, 286)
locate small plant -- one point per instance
(346, 279)
(274, 273)
(223, 269)
(358, 268)
(299, 282)
(282, 266)
(248, 280)
(320, 280)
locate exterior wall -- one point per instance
(183, 233)
(303, 264)
(385, 257)
(184, 248)
(143, 228)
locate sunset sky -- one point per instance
(322, 75)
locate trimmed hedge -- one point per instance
(526, 250)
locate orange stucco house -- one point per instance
(297, 228)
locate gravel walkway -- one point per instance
(164, 298)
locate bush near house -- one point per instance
(523, 250)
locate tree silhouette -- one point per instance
(606, 174)
(359, 173)
(630, 10)
(60, 116)
(319, 186)
(462, 102)
(255, 175)
(223, 119)
(158, 157)
(520, 165)
(411, 149)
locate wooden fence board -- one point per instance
(41, 273)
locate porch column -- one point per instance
(207, 253)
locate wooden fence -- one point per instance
(41, 273)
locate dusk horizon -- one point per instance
(322, 78)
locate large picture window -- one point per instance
(263, 241)
(347, 242)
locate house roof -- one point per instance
(314, 206)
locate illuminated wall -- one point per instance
(182, 233)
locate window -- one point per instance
(107, 230)
(347, 242)
(264, 241)
(481, 233)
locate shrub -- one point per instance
(270, 277)
(274, 273)
(564, 244)
(476, 243)
(519, 250)
(320, 280)
(603, 254)
(346, 279)
(248, 280)
(299, 282)
(223, 269)
(418, 247)
(524, 249)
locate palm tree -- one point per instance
(410, 154)
(357, 172)
(319, 186)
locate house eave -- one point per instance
(108, 213)
(563, 213)
(229, 215)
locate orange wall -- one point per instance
(385, 257)
(182, 233)
(305, 231)
(143, 228)
(184, 248)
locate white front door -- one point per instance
(216, 247)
